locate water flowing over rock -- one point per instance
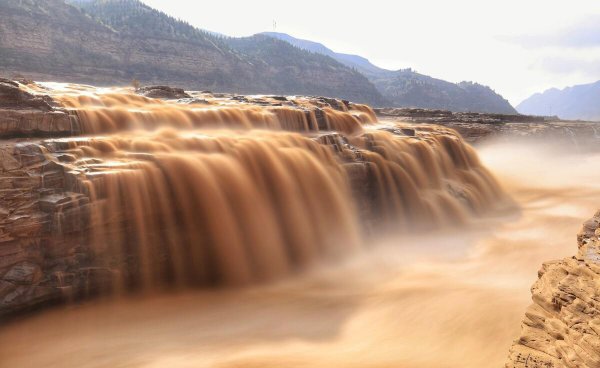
(203, 189)
(561, 327)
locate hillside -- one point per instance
(293, 69)
(114, 41)
(357, 62)
(406, 88)
(578, 102)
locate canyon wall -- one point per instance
(561, 329)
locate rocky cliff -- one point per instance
(561, 329)
(38, 214)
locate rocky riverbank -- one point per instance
(562, 327)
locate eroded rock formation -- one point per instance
(165, 92)
(23, 114)
(561, 329)
(41, 227)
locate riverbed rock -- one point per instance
(11, 95)
(25, 273)
(23, 114)
(42, 227)
(163, 92)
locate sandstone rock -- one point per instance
(13, 96)
(41, 227)
(163, 92)
(321, 119)
(562, 326)
(23, 298)
(333, 103)
(32, 123)
(25, 273)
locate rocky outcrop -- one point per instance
(561, 329)
(477, 128)
(36, 123)
(163, 92)
(14, 97)
(41, 223)
(23, 114)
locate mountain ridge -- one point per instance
(107, 42)
(407, 88)
(578, 102)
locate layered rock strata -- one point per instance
(23, 114)
(561, 329)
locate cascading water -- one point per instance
(211, 190)
(222, 208)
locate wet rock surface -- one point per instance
(163, 92)
(12, 96)
(24, 114)
(41, 228)
(562, 327)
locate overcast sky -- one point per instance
(518, 47)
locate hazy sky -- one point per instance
(517, 47)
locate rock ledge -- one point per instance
(562, 326)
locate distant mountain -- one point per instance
(114, 41)
(411, 89)
(581, 102)
(406, 88)
(360, 63)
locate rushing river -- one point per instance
(449, 299)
